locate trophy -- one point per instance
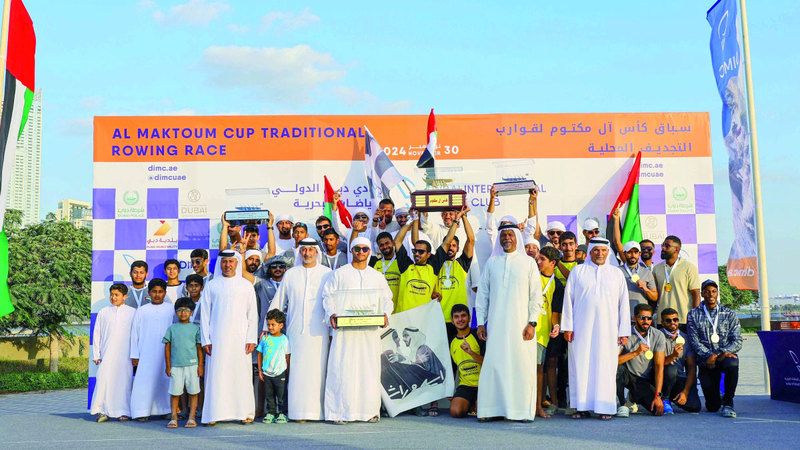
(358, 308)
(247, 217)
(516, 177)
(437, 196)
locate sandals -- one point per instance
(433, 411)
(191, 423)
(172, 424)
(247, 421)
(581, 415)
(605, 417)
(543, 414)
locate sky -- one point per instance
(212, 57)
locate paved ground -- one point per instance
(59, 419)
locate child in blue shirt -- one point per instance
(273, 362)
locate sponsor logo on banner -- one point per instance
(193, 206)
(681, 201)
(162, 234)
(131, 205)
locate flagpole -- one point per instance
(763, 291)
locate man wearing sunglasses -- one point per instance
(648, 247)
(641, 366)
(553, 233)
(199, 260)
(591, 229)
(352, 383)
(681, 360)
(418, 281)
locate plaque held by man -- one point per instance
(358, 308)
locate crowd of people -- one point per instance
(559, 326)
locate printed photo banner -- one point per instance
(162, 183)
(415, 359)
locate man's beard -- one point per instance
(647, 256)
(251, 268)
(665, 256)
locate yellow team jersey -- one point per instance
(416, 287)
(569, 265)
(453, 287)
(467, 369)
(544, 324)
(392, 274)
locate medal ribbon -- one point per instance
(714, 323)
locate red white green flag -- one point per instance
(632, 225)
(17, 100)
(344, 215)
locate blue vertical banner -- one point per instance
(728, 64)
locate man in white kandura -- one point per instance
(307, 330)
(229, 331)
(596, 320)
(509, 301)
(352, 385)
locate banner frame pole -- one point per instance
(763, 291)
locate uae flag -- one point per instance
(344, 215)
(632, 225)
(17, 99)
(426, 161)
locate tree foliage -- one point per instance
(732, 297)
(50, 267)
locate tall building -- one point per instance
(23, 192)
(75, 211)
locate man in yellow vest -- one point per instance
(548, 325)
(452, 277)
(418, 281)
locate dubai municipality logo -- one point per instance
(163, 229)
(680, 194)
(130, 197)
(193, 196)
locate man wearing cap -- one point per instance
(641, 366)
(508, 306)
(307, 330)
(591, 229)
(595, 319)
(352, 383)
(554, 231)
(677, 280)
(716, 337)
(641, 284)
(229, 332)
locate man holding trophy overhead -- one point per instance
(352, 386)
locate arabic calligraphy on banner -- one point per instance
(341, 138)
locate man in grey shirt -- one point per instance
(641, 365)
(680, 365)
(641, 283)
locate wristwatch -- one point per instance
(533, 324)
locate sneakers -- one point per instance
(668, 408)
(727, 411)
(623, 411)
(281, 419)
(102, 418)
(269, 418)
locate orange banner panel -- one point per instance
(479, 136)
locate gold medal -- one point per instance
(648, 355)
(635, 277)
(680, 340)
(667, 287)
(715, 338)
